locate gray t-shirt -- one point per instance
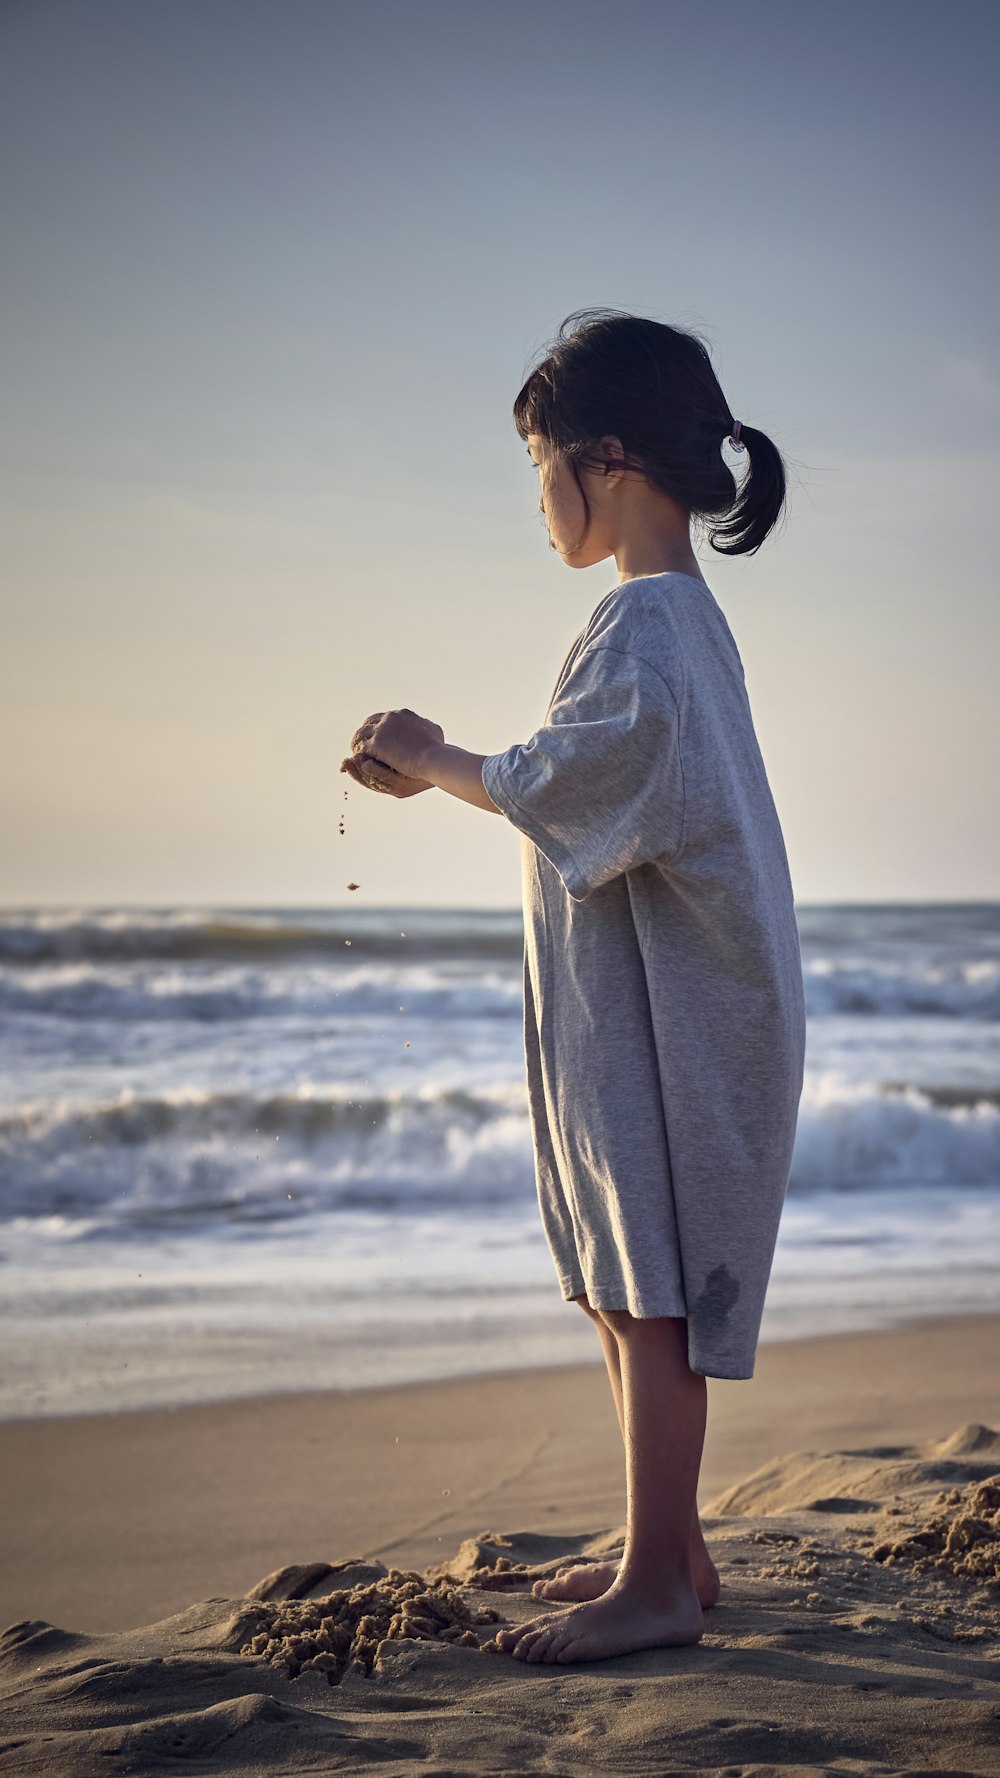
(664, 1015)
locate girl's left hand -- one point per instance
(398, 739)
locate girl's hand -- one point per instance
(382, 777)
(397, 739)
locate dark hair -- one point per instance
(653, 387)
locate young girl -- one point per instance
(664, 1015)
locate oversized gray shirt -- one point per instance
(664, 1014)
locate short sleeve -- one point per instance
(599, 789)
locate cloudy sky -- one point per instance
(274, 271)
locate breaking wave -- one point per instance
(178, 1158)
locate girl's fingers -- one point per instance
(403, 786)
(396, 736)
(391, 783)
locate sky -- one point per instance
(273, 274)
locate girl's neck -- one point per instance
(656, 540)
(637, 565)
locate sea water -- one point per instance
(266, 1150)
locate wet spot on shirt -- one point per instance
(718, 1297)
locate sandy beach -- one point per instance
(167, 1575)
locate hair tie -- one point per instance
(734, 436)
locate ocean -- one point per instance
(254, 1151)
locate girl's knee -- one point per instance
(623, 1324)
(616, 1319)
(619, 1320)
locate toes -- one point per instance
(518, 1641)
(554, 1585)
(565, 1651)
(523, 1644)
(539, 1650)
(540, 1590)
(526, 1643)
(561, 1643)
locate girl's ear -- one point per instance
(612, 452)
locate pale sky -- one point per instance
(273, 273)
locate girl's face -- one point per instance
(563, 509)
(645, 530)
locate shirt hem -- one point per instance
(731, 1370)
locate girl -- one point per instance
(664, 1014)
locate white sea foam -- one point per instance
(191, 1155)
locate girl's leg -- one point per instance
(590, 1579)
(652, 1602)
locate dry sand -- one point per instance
(851, 1501)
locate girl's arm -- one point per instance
(457, 772)
(417, 749)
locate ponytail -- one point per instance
(759, 500)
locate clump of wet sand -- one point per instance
(347, 1631)
(504, 1577)
(963, 1538)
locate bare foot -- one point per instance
(589, 1580)
(618, 1623)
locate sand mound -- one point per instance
(850, 1482)
(497, 1562)
(305, 1580)
(971, 1440)
(857, 1638)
